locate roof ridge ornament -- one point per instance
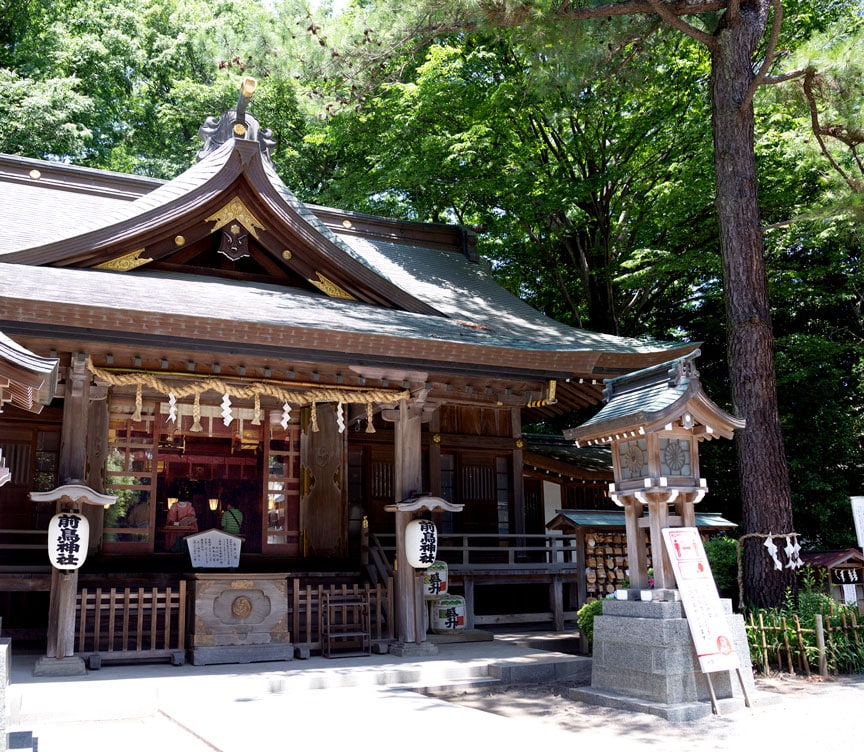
(236, 124)
(674, 373)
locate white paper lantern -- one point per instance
(421, 543)
(68, 538)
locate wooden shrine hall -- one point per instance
(220, 345)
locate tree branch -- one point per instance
(785, 77)
(631, 7)
(818, 131)
(662, 10)
(768, 60)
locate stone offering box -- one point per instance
(239, 618)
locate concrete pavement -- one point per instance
(379, 702)
(260, 706)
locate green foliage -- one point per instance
(722, 553)
(580, 152)
(585, 618)
(844, 651)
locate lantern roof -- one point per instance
(76, 493)
(650, 400)
(424, 503)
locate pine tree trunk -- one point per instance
(766, 499)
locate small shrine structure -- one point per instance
(654, 420)
(644, 655)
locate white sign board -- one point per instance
(858, 516)
(702, 606)
(214, 548)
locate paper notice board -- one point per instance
(858, 518)
(702, 606)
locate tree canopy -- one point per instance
(623, 164)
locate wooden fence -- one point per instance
(306, 611)
(832, 646)
(123, 624)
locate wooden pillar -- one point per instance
(637, 555)
(97, 452)
(468, 586)
(686, 509)
(557, 599)
(72, 467)
(407, 481)
(658, 518)
(518, 461)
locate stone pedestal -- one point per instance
(240, 619)
(73, 665)
(644, 660)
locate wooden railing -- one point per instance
(122, 624)
(374, 559)
(305, 611)
(492, 551)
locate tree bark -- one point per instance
(766, 498)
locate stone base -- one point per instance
(203, 656)
(681, 712)
(461, 635)
(644, 660)
(411, 649)
(71, 666)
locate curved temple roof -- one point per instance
(143, 257)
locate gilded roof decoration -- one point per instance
(126, 262)
(235, 211)
(331, 289)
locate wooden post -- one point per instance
(517, 462)
(72, 466)
(658, 518)
(468, 586)
(637, 554)
(820, 646)
(557, 598)
(407, 480)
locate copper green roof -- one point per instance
(567, 519)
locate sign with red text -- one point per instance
(708, 623)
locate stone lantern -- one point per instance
(644, 656)
(653, 420)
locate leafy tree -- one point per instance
(578, 184)
(125, 87)
(741, 40)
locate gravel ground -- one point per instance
(786, 710)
